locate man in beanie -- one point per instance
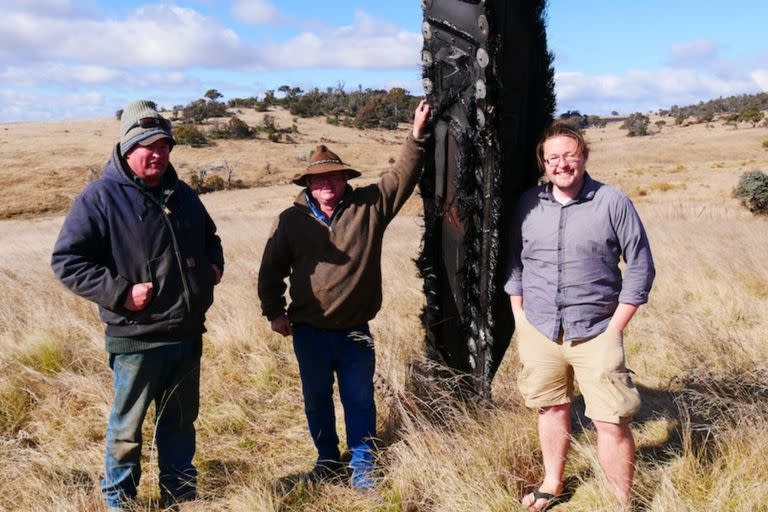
(329, 245)
(139, 243)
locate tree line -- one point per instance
(361, 108)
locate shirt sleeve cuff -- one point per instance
(635, 298)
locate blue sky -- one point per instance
(68, 59)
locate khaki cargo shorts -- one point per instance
(597, 365)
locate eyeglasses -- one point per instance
(151, 122)
(556, 160)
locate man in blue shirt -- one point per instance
(571, 304)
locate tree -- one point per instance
(636, 124)
(200, 110)
(596, 121)
(574, 119)
(213, 94)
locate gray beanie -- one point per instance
(132, 133)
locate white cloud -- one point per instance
(648, 90)
(760, 77)
(700, 53)
(169, 37)
(164, 36)
(257, 12)
(77, 76)
(19, 105)
(368, 43)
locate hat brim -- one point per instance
(145, 137)
(154, 138)
(300, 179)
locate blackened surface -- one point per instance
(490, 81)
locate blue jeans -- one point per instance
(170, 376)
(350, 354)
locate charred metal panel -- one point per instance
(488, 75)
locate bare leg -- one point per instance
(616, 453)
(555, 438)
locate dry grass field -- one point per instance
(699, 347)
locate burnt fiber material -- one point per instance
(488, 76)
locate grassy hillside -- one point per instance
(698, 348)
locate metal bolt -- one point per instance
(482, 23)
(426, 30)
(482, 57)
(480, 118)
(480, 89)
(428, 86)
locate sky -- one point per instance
(74, 59)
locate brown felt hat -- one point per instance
(324, 160)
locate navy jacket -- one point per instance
(116, 235)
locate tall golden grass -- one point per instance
(698, 348)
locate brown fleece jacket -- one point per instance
(335, 272)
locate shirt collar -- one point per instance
(587, 192)
(315, 208)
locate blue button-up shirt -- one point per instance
(564, 259)
(317, 212)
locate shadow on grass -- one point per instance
(656, 404)
(684, 406)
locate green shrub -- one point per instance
(706, 116)
(752, 192)
(238, 128)
(597, 121)
(190, 135)
(765, 144)
(235, 128)
(214, 182)
(636, 124)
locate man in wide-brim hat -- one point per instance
(329, 245)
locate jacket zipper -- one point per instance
(176, 252)
(309, 213)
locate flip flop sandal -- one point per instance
(551, 499)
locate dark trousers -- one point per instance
(169, 376)
(350, 355)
